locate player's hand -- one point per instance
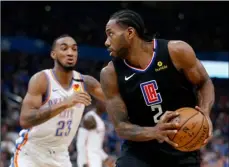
(165, 128)
(81, 97)
(210, 134)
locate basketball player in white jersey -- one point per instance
(52, 109)
(90, 139)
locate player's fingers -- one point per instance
(197, 108)
(170, 116)
(84, 98)
(86, 102)
(78, 101)
(208, 139)
(205, 141)
(210, 125)
(200, 110)
(170, 142)
(85, 95)
(170, 126)
(210, 133)
(163, 116)
(83, 101)
(169, 132)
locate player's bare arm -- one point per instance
(32, 115)
(89, 122)
(184, 58)
(117, 110)
(93, 87)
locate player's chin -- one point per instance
(113, 54)
(69, 66)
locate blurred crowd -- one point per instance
(205, 30)
(188, 21)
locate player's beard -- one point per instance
(123, 51)
(66, 68)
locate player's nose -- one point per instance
(107, 43)
(70, 53)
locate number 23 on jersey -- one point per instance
(152, 98)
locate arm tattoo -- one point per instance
(117, 111)
(38, 116)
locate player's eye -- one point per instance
(110, 34)
(63, 48)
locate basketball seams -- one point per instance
(202, 123)
(184, 122)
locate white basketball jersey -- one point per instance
(95, 136)
(60, 130)
(91, 141)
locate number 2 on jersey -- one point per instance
(62, 130)
(158, 109)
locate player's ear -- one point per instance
(131, 32)
(53, 55)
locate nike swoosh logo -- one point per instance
(127, 78)
(54, 90)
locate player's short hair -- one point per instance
(61, 36)
(130, 18)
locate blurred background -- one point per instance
(29, 28)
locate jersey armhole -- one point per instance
(83, 84)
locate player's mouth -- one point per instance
(70, 61)
(111, 51)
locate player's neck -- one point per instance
(140, 54)
(63, 77)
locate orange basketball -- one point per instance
(193, 129)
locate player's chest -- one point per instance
(148, 86)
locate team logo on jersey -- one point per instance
(76, 87)
(149, 91)
(161, 66)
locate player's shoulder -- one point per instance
(181, 53)
(178, 46)
(39, 81)
(40, 76)
(108, 69)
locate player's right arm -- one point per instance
(31, 114)
(117, 111)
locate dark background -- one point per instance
(204, 25)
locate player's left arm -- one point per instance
(93, 87)
(185, 60)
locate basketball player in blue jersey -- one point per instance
(52, 109)
(146, 81)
